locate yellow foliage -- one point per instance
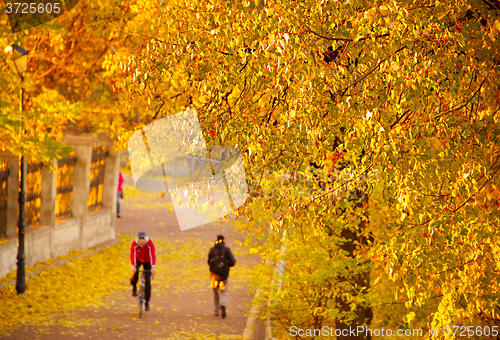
(50, 292)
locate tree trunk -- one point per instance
(363, 314)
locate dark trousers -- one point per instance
(118, 203)
(135, 278)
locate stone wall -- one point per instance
(84, 230)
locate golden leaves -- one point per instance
(48, 293)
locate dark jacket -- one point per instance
(229, 255)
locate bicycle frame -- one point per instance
(142, 290)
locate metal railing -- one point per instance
(33, 192)
(64, 186)
(4, 175)
(97, 166)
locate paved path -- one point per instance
(181, 302)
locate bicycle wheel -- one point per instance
(141, 301)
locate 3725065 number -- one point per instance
(25, 8)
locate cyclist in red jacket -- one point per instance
(142, 253)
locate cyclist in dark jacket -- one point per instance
(219, 280)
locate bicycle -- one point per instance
(141, 295)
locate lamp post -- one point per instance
(19, 66)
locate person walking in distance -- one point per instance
(142, 253)
(220, 259)
(120, 194)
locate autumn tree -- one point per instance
(408, 90)
(63, 84)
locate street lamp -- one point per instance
(18, 66)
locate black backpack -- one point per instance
(219, 264)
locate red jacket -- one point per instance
(144, 254)
(120, 182)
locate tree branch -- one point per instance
(363, 77)
(482, 186)
(244, 66)
(392, 125)
(162, 103)
(343, 39)
(468, 101)
(225, 53)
